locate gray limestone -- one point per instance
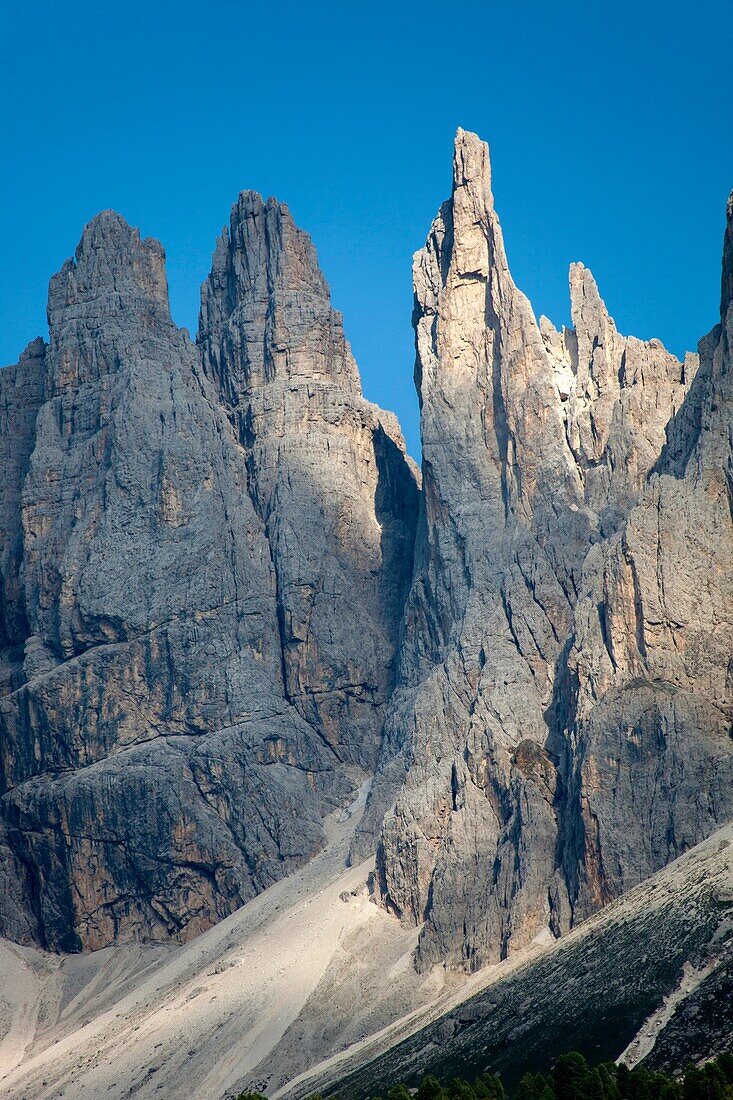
(560, 728)
(327, 472)
(156, 770)
(225, 600)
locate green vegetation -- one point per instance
(571, 1078)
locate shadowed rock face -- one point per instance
(155, 772)
(563, 685)
(21, 396)
(327, 472)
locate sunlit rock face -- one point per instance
(653, 761)
(563, 683)
(170, 742)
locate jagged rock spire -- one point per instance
(536, 444)
(153, 774)
(112, 263)
(327, 472)
(505, 535)
(204, 560)
(625, 392)
(266, 311)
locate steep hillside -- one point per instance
(645, 979)
(311, 986)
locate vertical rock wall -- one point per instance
(157, 767)
(224, 600)
(518, 803)
(327, 472)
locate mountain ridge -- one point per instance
(227, 596)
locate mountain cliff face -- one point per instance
(561, 725)
(327, 473)
(158, 765)
(225, 600)
(653, 766)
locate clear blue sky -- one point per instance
(610, 126)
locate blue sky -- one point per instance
(610, 126)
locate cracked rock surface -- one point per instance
(227, 596)
(184, 696)
(327, 473)
(560, 728)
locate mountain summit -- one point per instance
(228, 600)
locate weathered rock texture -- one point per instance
(560, 730)
(327, 472)
(21, 396)
(223, 597)
(653, 759)
(155, 614)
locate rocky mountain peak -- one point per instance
(585, 299)
(220, 609)
(189, 535)
(472, 203)
(471, 161)
(539, 455)
(266, 307)
(110, 259)
(114, 286)
(327, 471)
